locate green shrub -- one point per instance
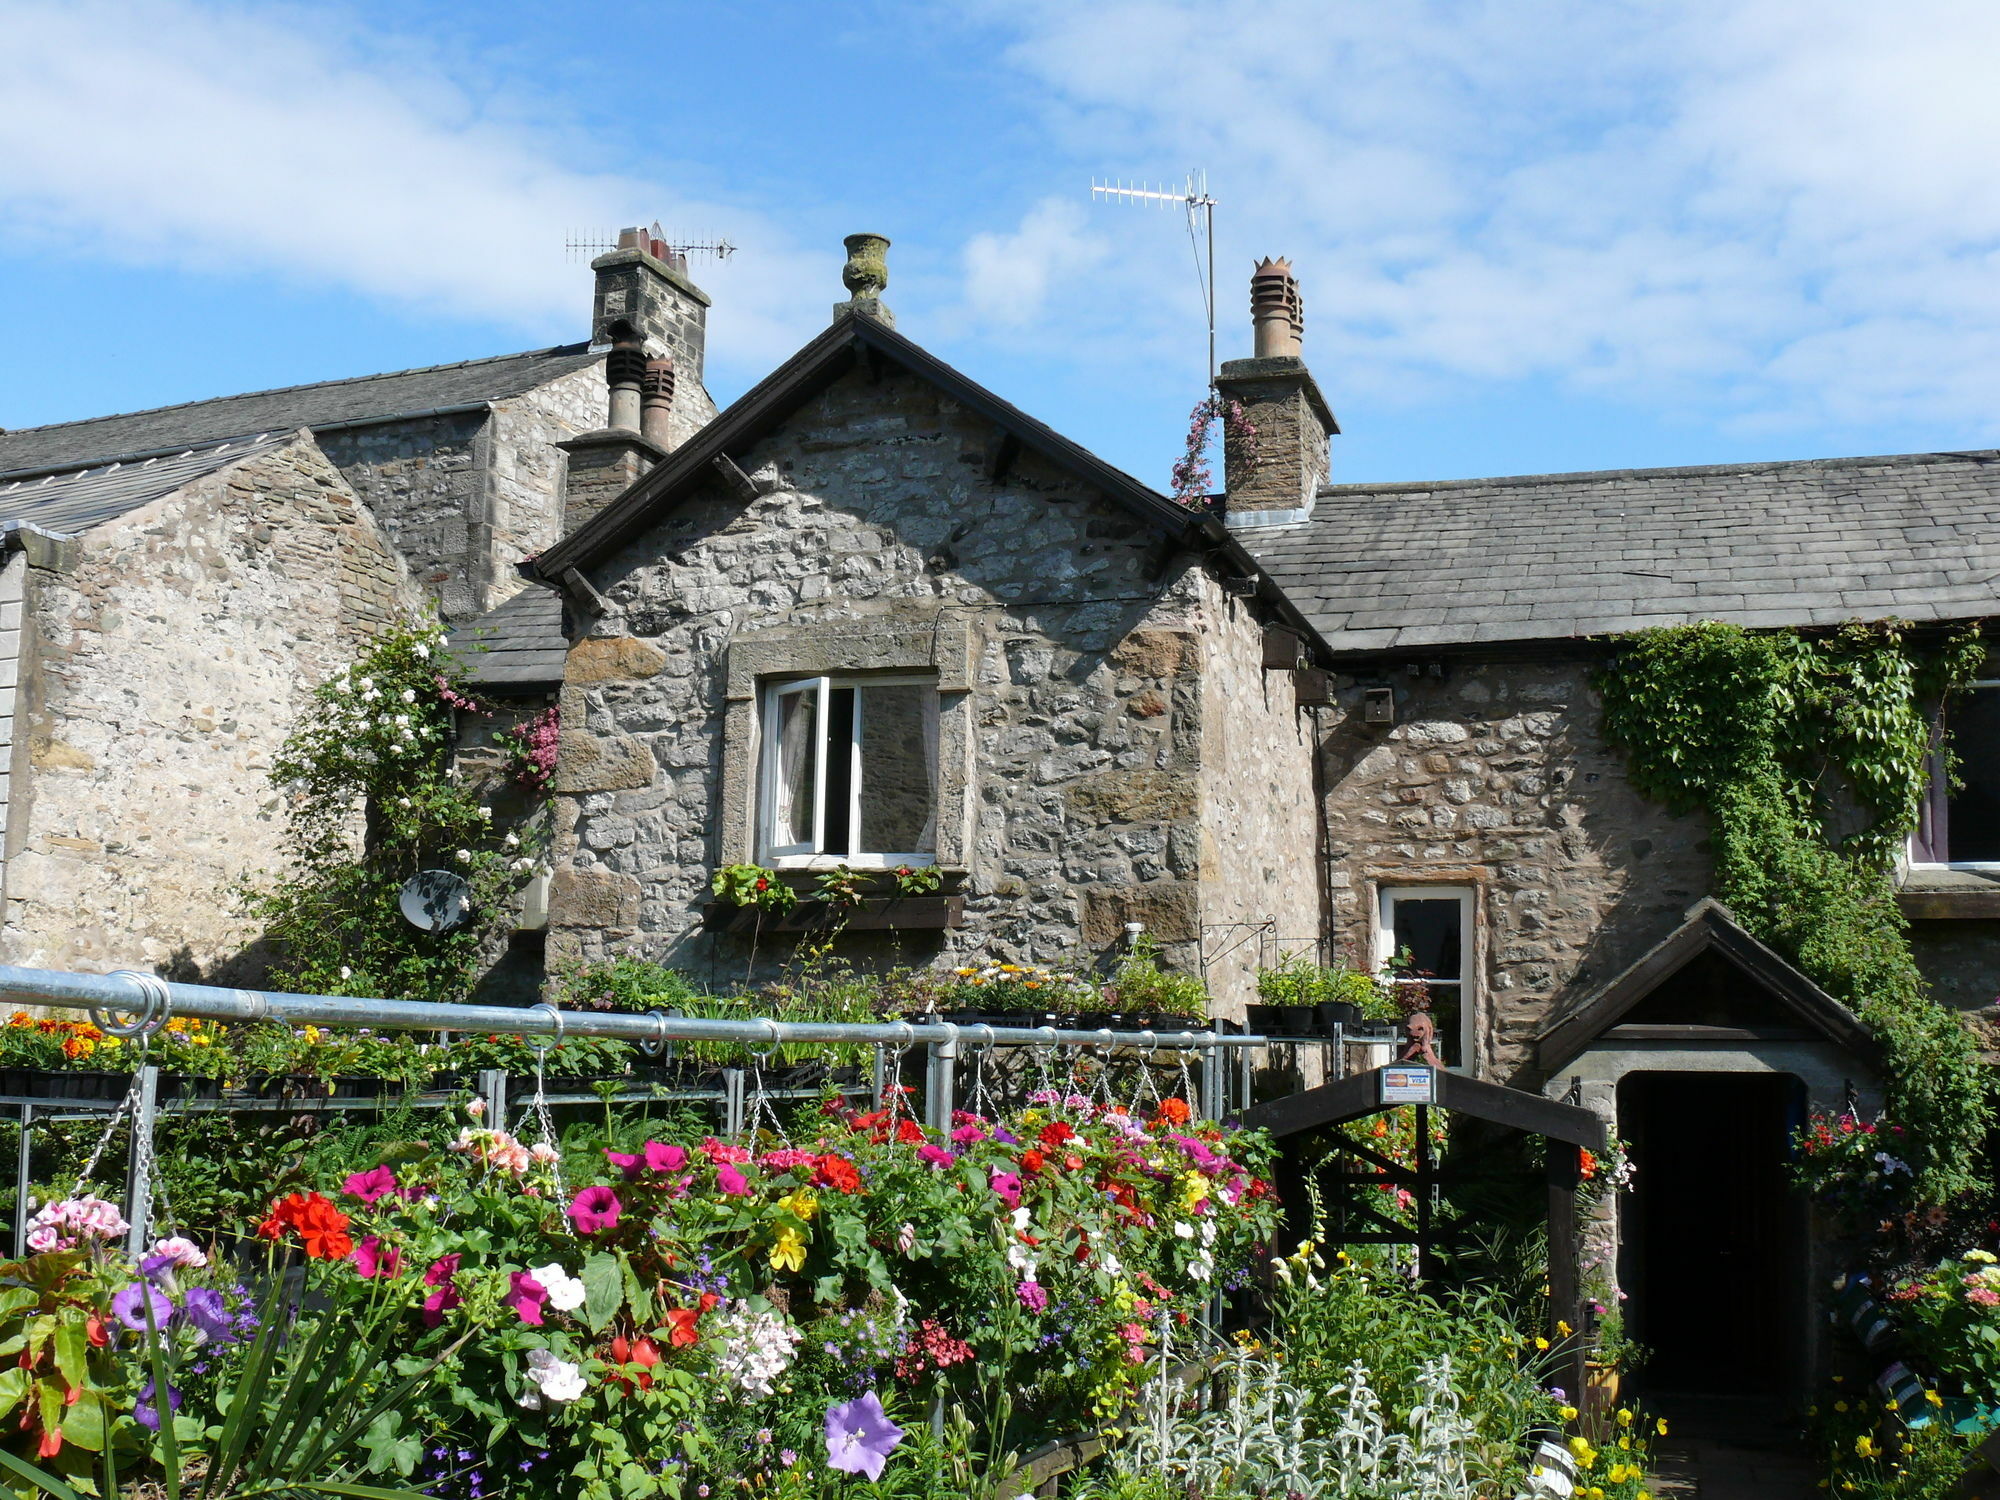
(1297, 980)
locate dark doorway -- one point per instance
(1714, 1254)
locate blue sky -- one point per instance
(1534, 235)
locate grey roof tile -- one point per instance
(326, 403)
(517, 646)
(1549, 556)
(74, 500)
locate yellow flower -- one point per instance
(1624, 1416)
(1934, 1398)
(1541, 1343)
(1661, 1427)
(1562, 1328)
(1585, 1454)
(312, 1035)
(1840, 1406)
(1864, 1446)
(1567, 1413)
(800, 1204)
(788, 1250)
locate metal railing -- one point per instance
(135, 1005)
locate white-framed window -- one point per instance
(1959, 827)
(849, 771)
(1423, 936)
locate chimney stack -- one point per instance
(656, 403)
(1274, 478)
(866, 277)
(643, 283)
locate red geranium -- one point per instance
(321, 1227)
(838, 1173)
(642, 1352)
(1033, 1160)
(1055, 1133)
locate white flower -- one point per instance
(422, 652)
(1022, 1260)
(1183, 1230)
(345, 972)
(476, 1108)
(512, 841)
(402, 802)
(402, 721)
(486, 813)
(1890, 1163)
(756, 1348)
(1022, 1218)
(565, 1291)
(340, 685)
(368, 682)
(906, 1239)
(409, 695)
(465, 856)
(1113, 1266)
(179, 1251)
(543, 1152)
(557, 1379)
(1208, 1231)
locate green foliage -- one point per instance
(372, 798)
(1811, 756)
(1870, 1454)
(1297, 980)
(753, 885)
(630, 985)
(1143, 982)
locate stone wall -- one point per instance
(1496, 776)
(425, 480)
(1961, 959)
(525, 483)
(165, 655)
(1074, 719)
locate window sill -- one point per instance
(1932, 893)
(876, 914)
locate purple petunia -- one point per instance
(860, 1437)
(204, 1308)
(129, 1306)
(146, 1413)
(376, 1182)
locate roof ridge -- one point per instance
(148, 455)
(1598, 476)
(308, 385)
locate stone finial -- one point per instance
(656, 402)
(1277, 312)
(866, 276)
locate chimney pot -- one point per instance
(1277, 312)
(656, 402)
(631, 239)
(625, 373)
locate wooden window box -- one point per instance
(875, 914)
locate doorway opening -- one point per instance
(1714, 1252)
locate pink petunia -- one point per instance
(594, 1209)
(661, 1157)
(526, 1296)
(937, 1156)
(732, 1181)
(445, 1295)
(376, 1182)
(626, 1162)
(372, 1258)
(1006, 1187)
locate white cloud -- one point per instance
(274, 140)
(1770, 212)
(1007, 276)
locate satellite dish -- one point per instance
(435, 900)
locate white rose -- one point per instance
(465, 856)
(409, 695)
(368, 682)
(402, 721)
(512, 841)
(423, 652)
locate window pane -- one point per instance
(1429, 929)
(792, 807)
(1974, 820)
(839, 769)
(1447, 1005)
(898, 769)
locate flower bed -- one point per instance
(698, 1312)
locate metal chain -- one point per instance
(540, 1103)
(129, 1105)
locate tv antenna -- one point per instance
(589, 246)
(1192, 195)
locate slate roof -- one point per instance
(523, 641)
(74, 500)
(1550, 556)
(326, 403)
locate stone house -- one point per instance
(872, 615)
(176, 580)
